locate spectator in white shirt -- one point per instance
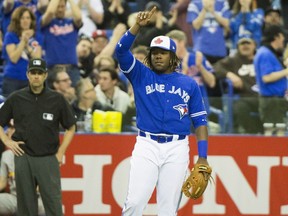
(108, 92)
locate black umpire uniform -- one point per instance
(36, 120)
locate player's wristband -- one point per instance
(202, 148)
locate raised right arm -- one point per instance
(50, 12)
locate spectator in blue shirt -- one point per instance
(210, 22)
(271, 76)
(246, 21)
(21, 43)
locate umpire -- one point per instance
(37, 112)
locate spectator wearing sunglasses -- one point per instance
(59, 80)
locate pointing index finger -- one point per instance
(152, 11)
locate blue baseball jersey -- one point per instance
(165, 103)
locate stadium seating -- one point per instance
(213, 110)
(228, 98)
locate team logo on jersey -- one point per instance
(182, 109)
(48, 116)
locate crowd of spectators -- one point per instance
(216, 40)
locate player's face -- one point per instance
(160, 59)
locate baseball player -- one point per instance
(167, 102)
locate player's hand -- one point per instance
(143, 17)
(203, 161)
(15, 147)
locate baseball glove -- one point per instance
(198, 180)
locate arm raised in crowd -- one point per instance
(209, 6)
(96, 16)
(109, 49)
(198, 22)
(50, 12)
(76, 13)
(8, 6)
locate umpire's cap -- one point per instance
(37, 64)
(163, 42)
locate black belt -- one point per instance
(161, 139)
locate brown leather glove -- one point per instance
(198, 181)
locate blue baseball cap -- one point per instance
(163, 42)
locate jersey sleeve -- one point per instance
(123, 54)
(197, 109)
(265, 64)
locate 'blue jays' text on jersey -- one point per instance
(165, 103)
